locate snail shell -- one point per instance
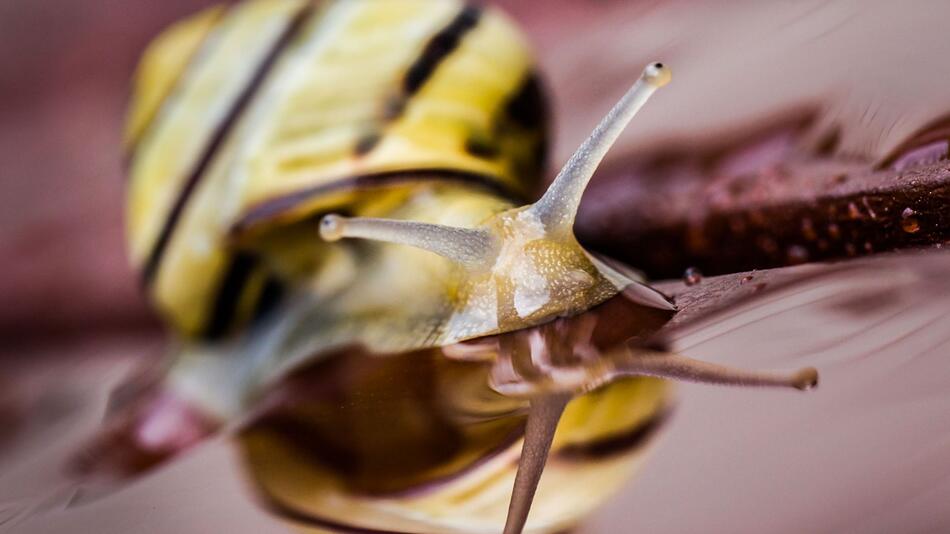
(268, 113)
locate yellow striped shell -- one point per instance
(272, 111)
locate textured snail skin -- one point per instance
(250, 123)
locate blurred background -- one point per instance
(820, 88)
(63, 91)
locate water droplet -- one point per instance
(746, 279)
(909, 222)
(692, 276)
(796, 254)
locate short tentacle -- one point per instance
(677, 367)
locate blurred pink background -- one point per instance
(873, 68)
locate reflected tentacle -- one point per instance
(543, 417)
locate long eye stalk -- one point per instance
(468, 246)
(556, 210)
(558, 207)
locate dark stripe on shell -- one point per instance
(433, 485)
(270, 297)
(600, 449)
(282, 204)
(394, 107)
(229, 295)
(367, 143)
(633, 439)
(528, 107)
(287, 512)
(218, 138)
(439, 47)
(481, 147)
(192, 62)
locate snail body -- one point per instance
(412, 370)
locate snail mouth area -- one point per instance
(568, 354)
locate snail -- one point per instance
(329, 206)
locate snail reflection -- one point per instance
(414, 369)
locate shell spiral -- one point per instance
(248, 122)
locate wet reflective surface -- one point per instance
(428, 440)
(866, 452)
